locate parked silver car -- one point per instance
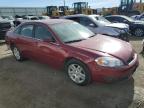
(100, 25)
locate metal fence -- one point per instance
(12, 11)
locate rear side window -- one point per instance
(27, 30)
(42, 33)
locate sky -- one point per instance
(44, 3)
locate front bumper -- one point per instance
(106, 74)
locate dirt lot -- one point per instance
(33, 85)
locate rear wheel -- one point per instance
(78, 72)
(17, 53)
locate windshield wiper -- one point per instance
(78, 40)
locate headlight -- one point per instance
(109, 62)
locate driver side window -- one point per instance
(86, 21)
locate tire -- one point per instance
(138, 32)
(17, 54)
(78, 72)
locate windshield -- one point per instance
(128, 18)
(70, 32)
(101, 20)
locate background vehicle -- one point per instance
(85, 56)
(24, 18)
(127, 8)
(136, 27)
(100, 25)
(65, 10)
(4, 27)
(82, 8)
(53, 11)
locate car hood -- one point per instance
(109, 45)
(118, 25)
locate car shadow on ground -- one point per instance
(30, 84)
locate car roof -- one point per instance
(49, 21)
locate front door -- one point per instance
(48, 50)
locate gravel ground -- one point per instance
(30, 84)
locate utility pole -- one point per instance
(64, 2)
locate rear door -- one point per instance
(26, 41)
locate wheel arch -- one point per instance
(73, 58)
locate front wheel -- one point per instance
(78, 72)
(139, 32)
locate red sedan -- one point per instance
(66, 44)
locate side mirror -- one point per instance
(91, 25)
